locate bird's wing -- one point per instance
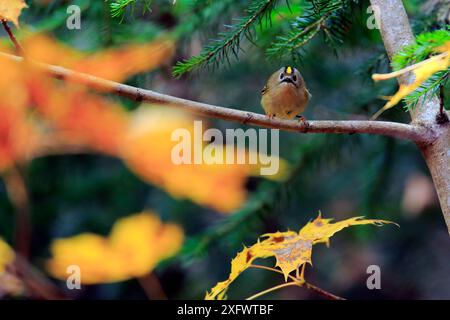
(308, 93)
(264, 90)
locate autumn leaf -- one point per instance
(19, 135)
(148, 152)
(66, 111)
(71, 113)
(134, 248)
(82, 117)
(115, 64)
(10, 10)
(6, 255)
(9, 283)
(291, 250)
(422, 71)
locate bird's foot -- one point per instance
(305, 122)
(248, 118)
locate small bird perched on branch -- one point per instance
(285, 95)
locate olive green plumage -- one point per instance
(285, 95)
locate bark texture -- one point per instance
(396, 33)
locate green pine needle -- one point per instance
(229, 42)
(118, 7)
(426, 44)
(329, 16)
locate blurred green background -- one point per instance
(341, 175)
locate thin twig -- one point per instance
(416, 133)
(16, 43)
(322, 292)
(302, 283)
(37, 285)
(152, 287)
(18, 195)
(283, 285)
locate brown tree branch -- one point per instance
(414, 133)
(396, 33)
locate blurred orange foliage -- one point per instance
(39, 110)
(113, 64)
(148, 151)
(18, 135)
(134, 248)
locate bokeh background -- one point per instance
(341, 175)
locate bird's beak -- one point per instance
(288, 79)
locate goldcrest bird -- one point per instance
(285, 95)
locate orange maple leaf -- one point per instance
(115, 64)
(69, 112)
(19, 135)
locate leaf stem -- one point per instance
(283, 285)
(16, 43)
(301, 283)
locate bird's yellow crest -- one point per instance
(288, 70)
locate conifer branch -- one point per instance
(414, 54)
(329, 16)
(230, 41)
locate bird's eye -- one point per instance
(294, 78)
(281, 76)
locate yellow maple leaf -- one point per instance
(292, 250)
(135, 246)
(10, 10)
(422, 71)
(6, 255)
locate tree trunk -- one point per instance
(396, 33)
